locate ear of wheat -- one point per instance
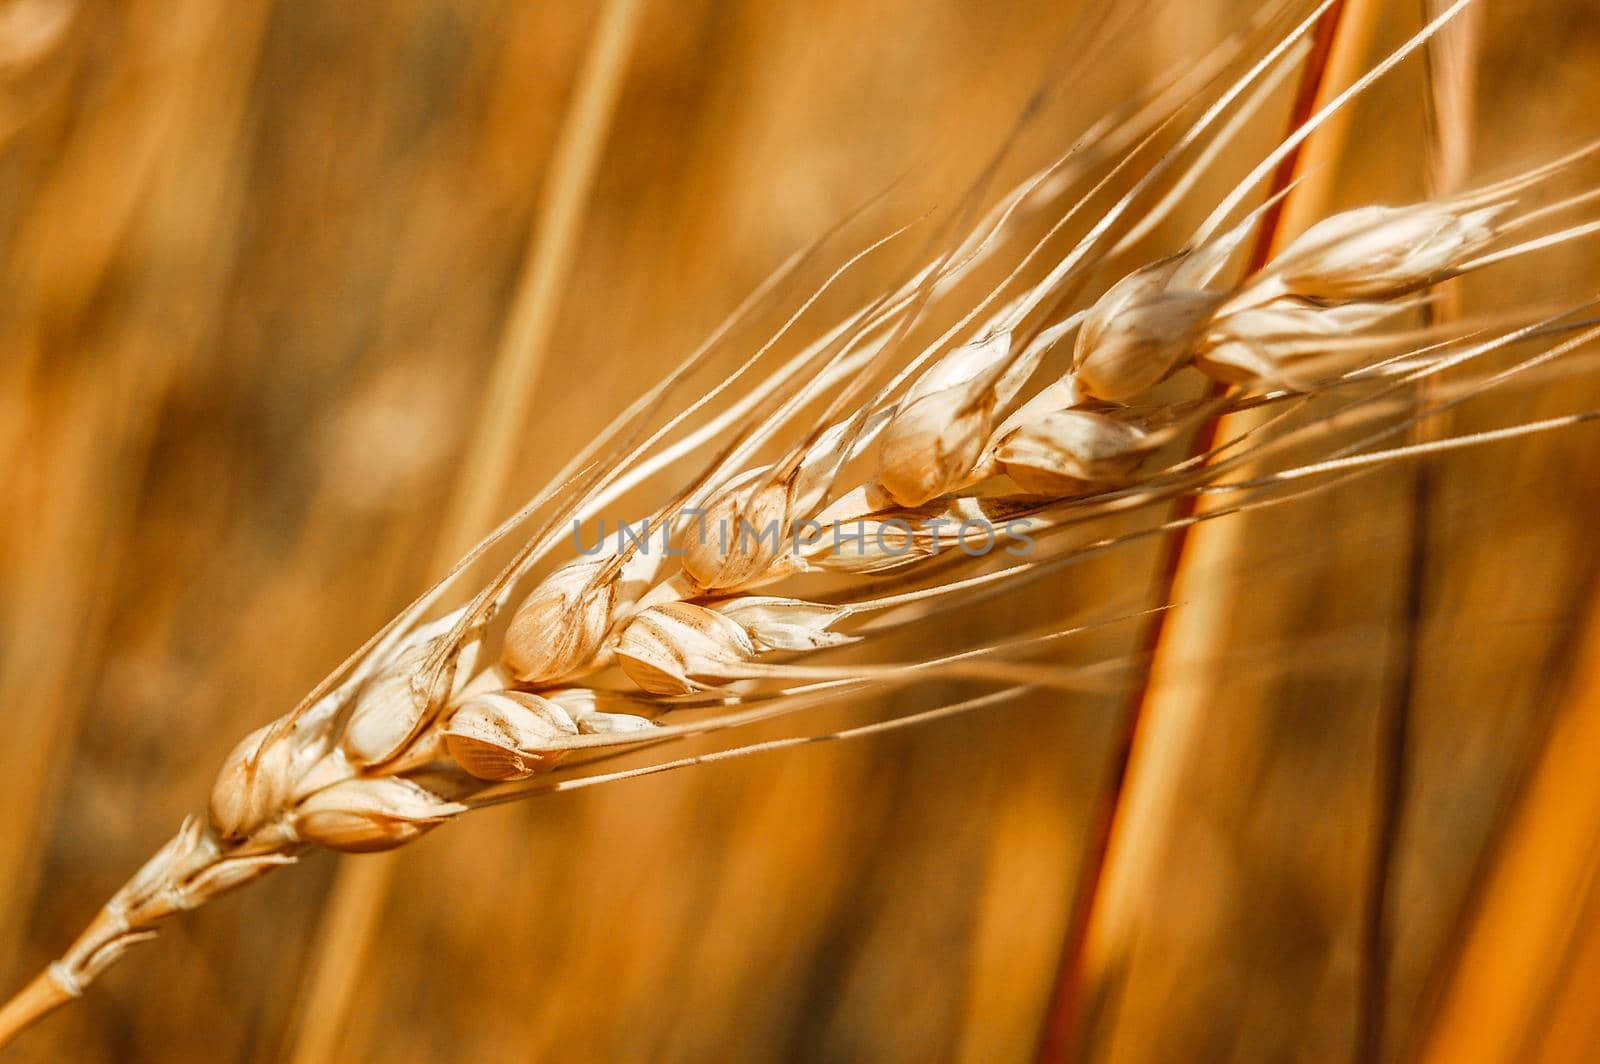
(1041, 409)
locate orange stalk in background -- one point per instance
(1137, 761)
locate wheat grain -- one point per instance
(1036, 406)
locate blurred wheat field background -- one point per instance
(256, 259)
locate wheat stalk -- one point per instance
(1040, 408)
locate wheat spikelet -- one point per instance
(850, 480)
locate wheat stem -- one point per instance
(35, 1001)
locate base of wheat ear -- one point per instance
(1053, 398)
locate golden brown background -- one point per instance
(255, 259)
